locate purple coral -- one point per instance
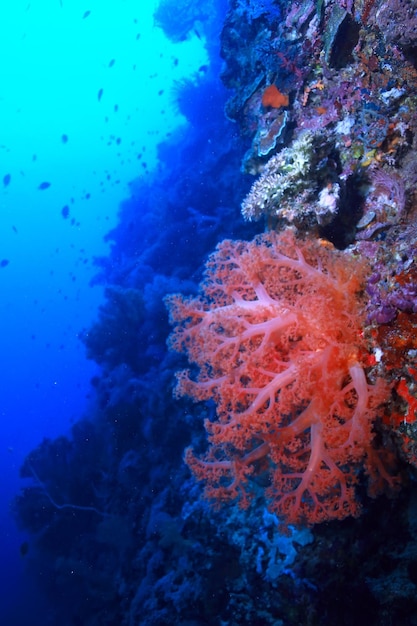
(388, 295)
(385, 202)
(397, 20)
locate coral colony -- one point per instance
(308, 351)
(278, 340)
(293, 360)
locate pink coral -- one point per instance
(276, 340)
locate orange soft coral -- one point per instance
(276, 340)
(272, 97)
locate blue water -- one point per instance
(87, 95)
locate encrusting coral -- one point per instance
(296, 185)
(276, 340)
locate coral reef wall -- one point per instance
(295, 357)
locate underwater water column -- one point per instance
(85, 99)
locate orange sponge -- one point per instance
(272, 97)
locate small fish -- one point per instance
(64, 138)
(112, 62)
(6, 180)
(65, 212)
(86, 14)
(4, 262)
(99, 94)
(44, 185)
(14, 229)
